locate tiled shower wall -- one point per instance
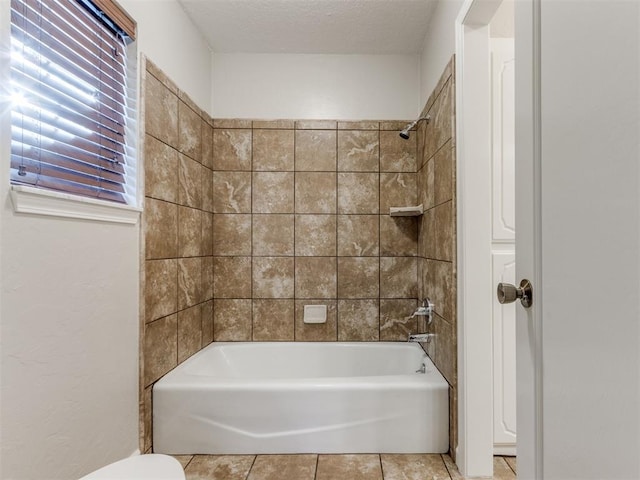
(246, 222)
(177, 260)
(301, 218)
(437, 233)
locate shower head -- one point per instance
(405, 133)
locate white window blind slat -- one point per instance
(70, 106)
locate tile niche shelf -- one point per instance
(411, 211)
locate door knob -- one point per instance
(508, 293)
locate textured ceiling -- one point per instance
(312, 26)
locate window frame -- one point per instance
(33, 200)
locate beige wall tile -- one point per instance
(189, 332)
(395, 321)
(358, 193)
(358, 235)
(358, 151)
(413, 467)
(190, 128)
(189, 182)
(207, 323)
(446, 356)
(398, 277)
(315, 277)
(316, 124)
(358, 320)
(358, 277)
(219, 467)
(315, 150)
(397, 190)
(426, 185)
(396, 125)
(161, 167)
(231, 149)
(207, 189)
(317, 332)
(206, 247)
(273, 320)
(147, 420)
(160, 229)
(232, 320)
(232, 277)
(278, 124)
(444, 236)
(398, 236)
(427, 234)
(315, 235)
(207, 145)
(273, 277)
(315, 192)
(189, 282)
(443, 174)
(154, 70)
(359, 125)
(207, 277)
(273, 234)
(189, 231)
(231, 123)
(184, 97)
(273, 150)
(441, 127)
(283, 467)
(161, 288)
(231, 234)
(396, 153)
(232, 192)
(352, 467)
(273, 192)
(160, 348)
(161, 112)
(441, 289)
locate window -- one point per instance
(72, 98)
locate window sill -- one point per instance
(37, 201)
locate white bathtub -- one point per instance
(250, 398)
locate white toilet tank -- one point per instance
(140, 467)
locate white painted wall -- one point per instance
(167, 37)
(438, 46)
(69, 302)
(315, 86)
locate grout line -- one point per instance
(381, 467)
(315, 472)
(189, 462)
(255, 457)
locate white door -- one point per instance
(503, 253)
(578, 224)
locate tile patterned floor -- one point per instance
(332, 467)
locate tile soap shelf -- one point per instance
(413, 211)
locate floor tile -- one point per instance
(451, 467)
(512, 463)
(283, 467)
(502, 470)
(219, 467)
(183, 459)
(351, 467)
(414, 467)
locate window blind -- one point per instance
(69, 97)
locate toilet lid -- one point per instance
(140, 467)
